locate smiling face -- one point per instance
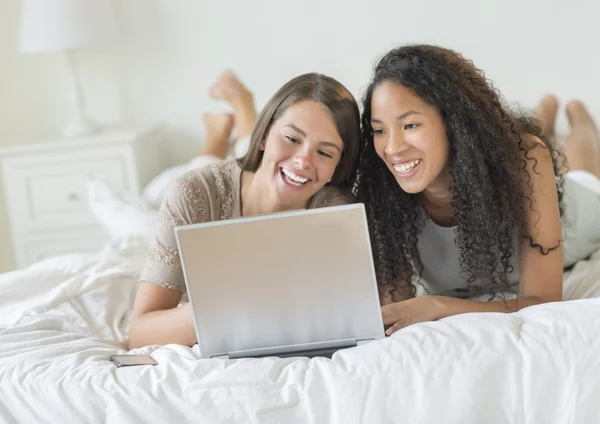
(301, 152)
(410, 137)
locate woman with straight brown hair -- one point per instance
(302, 153)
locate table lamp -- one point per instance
(64, 26)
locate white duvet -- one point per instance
(61, 319)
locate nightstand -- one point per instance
(46, 188)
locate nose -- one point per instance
(395, 144)
(303, 157)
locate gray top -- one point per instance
(441, 266)
(581, 237)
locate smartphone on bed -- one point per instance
(130, 360)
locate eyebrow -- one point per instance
(298, 130)
(330, 144)
(404, 115)
(303, 134)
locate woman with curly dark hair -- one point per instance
(464, 196)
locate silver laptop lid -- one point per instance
(281, 282)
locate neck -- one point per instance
(437, 199)
(258, 198)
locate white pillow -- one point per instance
(119, 212)
(156, 189)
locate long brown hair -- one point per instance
(334, 98)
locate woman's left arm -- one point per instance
(541, 262)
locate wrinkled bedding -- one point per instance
(61, 319)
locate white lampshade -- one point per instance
(58, 25)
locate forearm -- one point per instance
(170, 326)
(449, 306)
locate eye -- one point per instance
(410, 126)
(291, 139)
(323, 153)
(378, 132)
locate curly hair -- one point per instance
(486, 147)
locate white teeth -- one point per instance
(407, 167)
(294, 177)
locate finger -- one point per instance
(397, 326)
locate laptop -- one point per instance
(298, 283)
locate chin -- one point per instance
(413, 187)
(292, 198)
(288, 201)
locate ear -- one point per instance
(262, 144)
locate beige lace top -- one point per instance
(205, 194)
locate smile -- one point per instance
(292, 179)
(407, 169)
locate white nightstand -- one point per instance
(46, 188)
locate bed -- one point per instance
(62, 318)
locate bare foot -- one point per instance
(546, 112)
(583, 144)
(218, 131)
(224, 86)
(230, 89)
(579, 117)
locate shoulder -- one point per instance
(187, 199)
(539, 167)
(331, 196)
(199, 192)
(194, 195)
(221, 177)
(215, 176)
(536, 148)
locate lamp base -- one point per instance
(80, 126)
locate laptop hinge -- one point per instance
(225, 356)
(363, 341)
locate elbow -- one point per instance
(550, 292)
(548, 298)
(555, 295)
(133, 341)
(552, 298)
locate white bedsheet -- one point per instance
(62, 318)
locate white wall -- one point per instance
(174, 50)
(171, 51)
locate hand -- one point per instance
(402, 314)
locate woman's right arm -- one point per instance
(157, 318)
